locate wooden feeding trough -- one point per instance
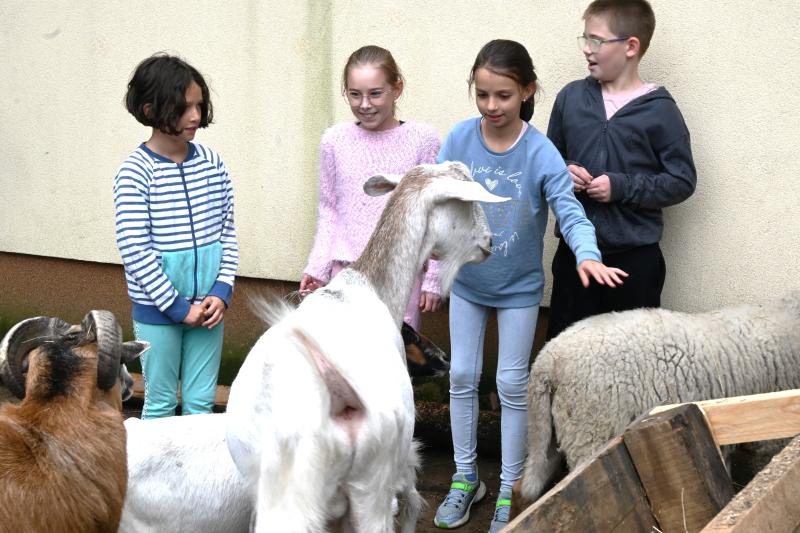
(665, 473)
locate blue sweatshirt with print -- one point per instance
(533, 174)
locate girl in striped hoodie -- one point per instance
(175, 232)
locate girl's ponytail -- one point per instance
(526, 111)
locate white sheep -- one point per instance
(62, 449)
(590, 382)
(316, 431)
(181, 476)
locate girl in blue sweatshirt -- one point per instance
(510, 158)
(175, 233)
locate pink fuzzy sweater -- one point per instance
(349, 155)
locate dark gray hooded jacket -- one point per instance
(644, 149)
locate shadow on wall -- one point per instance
(34, 285)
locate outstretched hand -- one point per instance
(602, 274)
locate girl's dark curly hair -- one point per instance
(161, 81)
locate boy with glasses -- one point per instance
(628, 153)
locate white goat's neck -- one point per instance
(398, 247)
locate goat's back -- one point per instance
(181, 475)
(61, 469)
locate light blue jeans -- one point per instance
(516, 328)
(179, 352)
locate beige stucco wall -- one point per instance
(274, 69)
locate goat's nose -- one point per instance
(490, 243)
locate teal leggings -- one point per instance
(179, 352)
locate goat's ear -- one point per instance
(468, 191)
(133, 349)
(381, 184)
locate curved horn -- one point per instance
(19, 341)
(102, 326)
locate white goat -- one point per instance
(181, 477)
(317, 433)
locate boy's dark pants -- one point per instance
(572, 302)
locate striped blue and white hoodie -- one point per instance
(175, 232)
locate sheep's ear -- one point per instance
(381, 184)
(468, 191)
(133, 349)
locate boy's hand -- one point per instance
(195, 315)
(580, 177)
(600, 189)
(429, 302)
(602, 274)
(213, 311)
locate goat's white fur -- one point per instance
(304, 466)
(181, 478)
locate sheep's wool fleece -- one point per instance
(606, 370)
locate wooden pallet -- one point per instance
(665, 473)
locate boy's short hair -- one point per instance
(161, 80)
(626, 18)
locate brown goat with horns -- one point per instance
(63, 465)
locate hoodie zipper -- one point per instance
(191, 227)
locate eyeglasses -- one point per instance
(375, 96)
(595, 44)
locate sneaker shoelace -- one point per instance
(502, 510)
(455, 498)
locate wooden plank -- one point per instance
(774, 415)
(769, 501)
(220, 398)
(601, 495)
(680, 468)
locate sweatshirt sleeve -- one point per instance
(223, 287)
(135, 246)
(578, 232)
(673, 184)
(319, 260)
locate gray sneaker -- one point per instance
(454, 511)
(502, 510)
